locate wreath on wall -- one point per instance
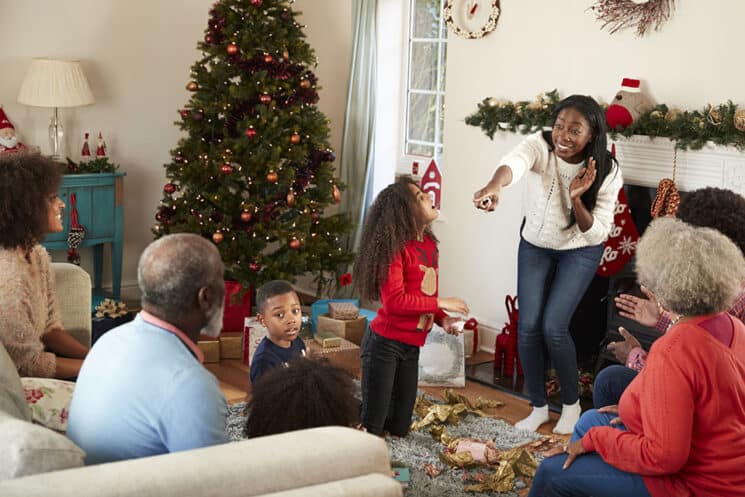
(471, 7)
(640, 14)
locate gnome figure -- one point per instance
(8, 140)
(628, 104)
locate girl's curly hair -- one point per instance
(391, 221)
(723, 210)
(26, 183)
(308, 393)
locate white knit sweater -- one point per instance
(548, 204)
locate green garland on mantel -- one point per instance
(722, 125)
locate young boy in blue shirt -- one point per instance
(278, 308)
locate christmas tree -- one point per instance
(255, 172)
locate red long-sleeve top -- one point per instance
(685, 416)
(409, 295)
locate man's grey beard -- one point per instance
(214, 324)
(9, 142)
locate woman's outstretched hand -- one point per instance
(583, 181)
(487, 198)
(643, 311)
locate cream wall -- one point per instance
(540, 45)
(137, 56)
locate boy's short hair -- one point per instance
(271, 289)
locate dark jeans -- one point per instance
(550, 285)
(589, 475)
(390, 373)
(610, 384)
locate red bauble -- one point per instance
(295, 139)
(208, 38)
(268, 58)
(169, 188)
(232, 49)
(291, 198)
(226, 169)
(337, 194)
(197, 116)
(272, 177)
(304, 83)
(179, 159)
(257, 3)
(254, 266)
(184, 113)
(265, 99)
(192, 86)
(246, 216)
(294, 244)
(250, 132)
(315, 216)
(217, 237)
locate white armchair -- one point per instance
(73, 293)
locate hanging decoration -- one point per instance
(639, 14)
(471, 19)
(668, 198)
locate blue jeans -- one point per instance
(390, 374)
(610, 384)
(550, 285)
(589, 475)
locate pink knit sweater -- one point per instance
(27, 309)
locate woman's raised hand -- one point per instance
(584, 180)
(487, 198)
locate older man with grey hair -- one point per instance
(142, 390)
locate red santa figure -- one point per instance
(85, 153)
(8, 140)
(432, 183)
(101, 148)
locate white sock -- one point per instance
(569, 417)
(535, 420)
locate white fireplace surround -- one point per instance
(645, 162)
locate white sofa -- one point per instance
(332, 461)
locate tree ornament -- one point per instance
(250, 132)
(246, 216)
(184, 114)
(642, 15)
(169, 188)
(714, 116)
(739, 120)
(305, 83)
(265, 98)
(232, 49)
(295, 139)
(272, 177)
(290, 198)
(192, 86)
(315, 216)
(257, 3)
(156, 228)
(294, 244)
(197, 115)
(268, 58)
(208, 38)
(337, 194)
(254, 266)
(217, 237)
(285, 54)
(226, 169)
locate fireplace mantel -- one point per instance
(645, 162)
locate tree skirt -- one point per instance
(419, 448)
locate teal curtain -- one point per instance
(356, 168)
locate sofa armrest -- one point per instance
(73, 294)
(240, 469)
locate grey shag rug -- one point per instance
(419, 448)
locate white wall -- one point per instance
(137, 56)
(540, 45)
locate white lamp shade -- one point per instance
(55, 83)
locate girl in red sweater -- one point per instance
(681, 425)
(397, 263)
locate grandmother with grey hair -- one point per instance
(680, 428)
(142, 390)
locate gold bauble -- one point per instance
(217, 237)
(290, 198)
(739, 120)
(192, 86)
(714, 116)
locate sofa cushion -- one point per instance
(12, 400)
(28, 449)
(49, 401)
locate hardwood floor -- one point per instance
(233, 377)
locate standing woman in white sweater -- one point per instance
(573, 183)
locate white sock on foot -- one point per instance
(535, 420)
(569, 417)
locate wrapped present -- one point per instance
(322, 307)
(327, 340)
(471, 334)
(345, 356)
(230, 346)
(344, 311)
(236, 309)
(210, 349)
(253, 333)
(352, 330)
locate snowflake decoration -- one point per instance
(627, 245)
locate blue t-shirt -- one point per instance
(142, 392)
(269, 355)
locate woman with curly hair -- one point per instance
(681, 425)
(573, 184)
(306, 393)
(716, 208)
(30, 326)
(397, 263)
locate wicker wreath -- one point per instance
(491, 23)
(642, 15)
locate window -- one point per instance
(425, 81)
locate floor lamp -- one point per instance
(55, 83)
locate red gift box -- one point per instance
(236, 309)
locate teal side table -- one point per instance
(99, 203)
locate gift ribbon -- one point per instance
(472, 324)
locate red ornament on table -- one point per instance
(272, 177)
(232, 49)
(226, 169)
(169, 188)
(432, 183)
(337, 194)
(265, 99)
(250, 132)
(295, 138)
(217, 237)
(294, 244)
(620, 246)
(246, 216)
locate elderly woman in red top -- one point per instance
(681, 430)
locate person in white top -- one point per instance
(573, 184)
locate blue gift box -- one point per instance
(322, 307)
